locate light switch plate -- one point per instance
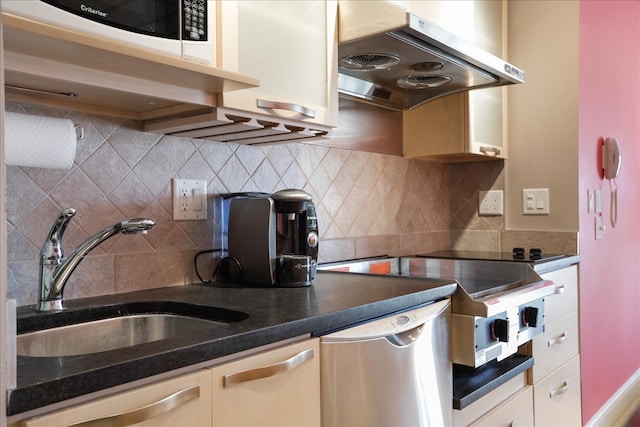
(599, 228)
(189, 199)
(591, 202)
(535, 201)
(598, 197)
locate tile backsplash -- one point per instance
(368, 204)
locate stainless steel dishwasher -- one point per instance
(392, 371)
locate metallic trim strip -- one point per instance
(146, 412)
(494, 151)
(297, 108)
(40, 91)
(267, 371)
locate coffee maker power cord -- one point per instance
(215, 271)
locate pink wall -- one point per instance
(609, 105)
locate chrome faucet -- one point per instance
(55, 269)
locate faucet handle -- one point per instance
(58, 228)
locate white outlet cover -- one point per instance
(189, 199)
(491, 202)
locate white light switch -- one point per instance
(598, 201)
(599, 227)
(189, 199)
(535, 201)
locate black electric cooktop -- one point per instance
(534, 256)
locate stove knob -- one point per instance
(500, 330)
(530, 316)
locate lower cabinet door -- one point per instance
(556, 399)
(515, 411)
(279, 387)
(176, 402)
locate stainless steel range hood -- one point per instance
(398, 60)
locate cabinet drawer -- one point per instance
(556, 399)
(516, 411)
(279, 387)
(556, 346)
(566, 297)
(489, 402)
(180, 401)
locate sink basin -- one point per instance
(128, 326)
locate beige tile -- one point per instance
(336, 250)
(552, 242)
(475, 240)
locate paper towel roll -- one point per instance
(38, 141)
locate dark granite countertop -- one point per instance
(335, 300)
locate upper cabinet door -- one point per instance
(291, 47)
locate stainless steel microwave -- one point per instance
(176, 27)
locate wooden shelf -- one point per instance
(108, 77)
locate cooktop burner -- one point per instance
(534, 256)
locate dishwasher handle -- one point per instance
(400, 326)
(406, 338)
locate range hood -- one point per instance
(395, 59)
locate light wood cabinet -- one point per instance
(515, 411)
(292, 48)
(498, 405)
(466, 126)
(107, 77)
(556, 373)
(456, 128)
(557, 398)
(279, 387)
(181, 401)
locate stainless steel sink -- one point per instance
(100, 331)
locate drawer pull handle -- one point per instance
(560, 289)
(146, 412)
(557, 340)
(296, 108)
(495, 151)
(269, 370)
(561, 390)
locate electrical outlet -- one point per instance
(491, 202)
(189, 199)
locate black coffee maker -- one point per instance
(296, 238)
(272, 239)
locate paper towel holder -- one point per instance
(79, 131)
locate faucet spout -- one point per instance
(55, 269)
